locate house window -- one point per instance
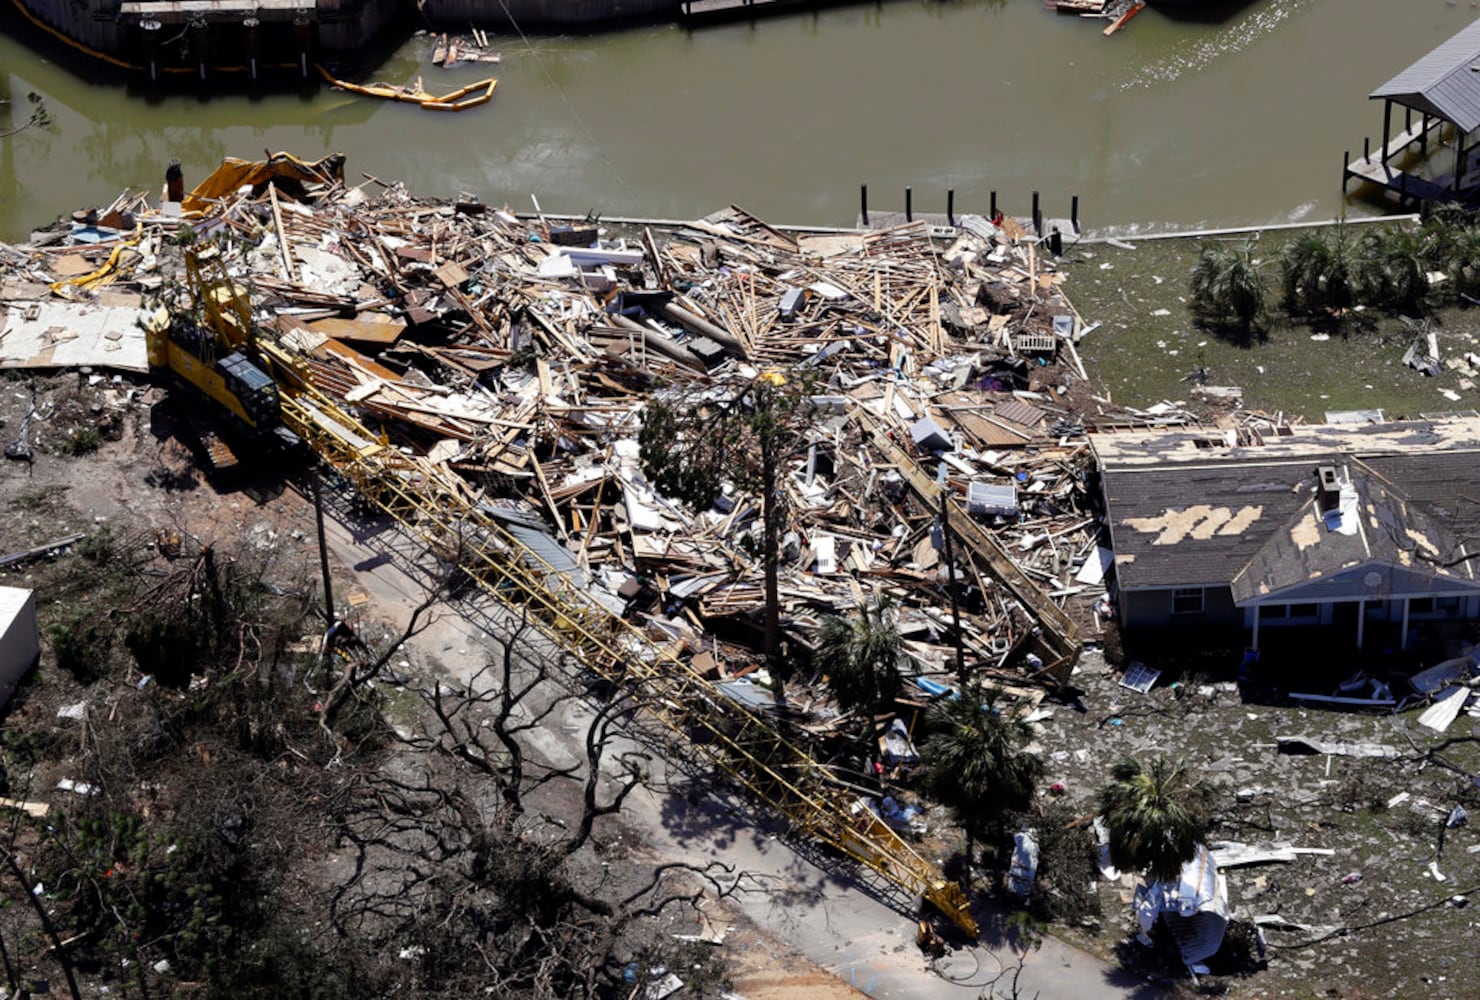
(1420, 605)
(1187, 601)
(1449, 607)
(1275, 614)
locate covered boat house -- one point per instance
(1431, 159)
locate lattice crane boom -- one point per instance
(440, 509)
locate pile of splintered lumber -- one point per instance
(519, 353)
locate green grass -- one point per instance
(1137, 358)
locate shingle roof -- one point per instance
(1444, 83)
(1186, 525)
(1185, 513)
(1448, 488)
(1393, 530)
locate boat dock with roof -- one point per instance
(1433, 157)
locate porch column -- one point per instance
(1459, 157)
(1403, 641)
(1361, 620)
(1255, 643)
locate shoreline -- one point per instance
(1106, 235)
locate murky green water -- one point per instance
(1170, 123)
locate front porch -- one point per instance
(1384, 625)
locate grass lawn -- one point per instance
(1148, 343)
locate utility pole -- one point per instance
(950, 549)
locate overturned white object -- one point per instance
(20, 638)
(1024, 869)
(1439, 716)
(1194, 907)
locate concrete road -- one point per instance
(829, 912)
(858, 931)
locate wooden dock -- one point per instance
(1374, 167)
(1404, 184)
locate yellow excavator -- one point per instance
(209, 348)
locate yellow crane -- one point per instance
(441, 510)
(209, 349)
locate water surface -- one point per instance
(1168, 124)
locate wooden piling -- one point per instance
(909, 210)
(1387, 115)
(950, 206)
(1074, 212)
(994, 207)
(1037, 217)
(863, 202)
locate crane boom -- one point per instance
(440, 510)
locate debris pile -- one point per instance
(518, 355)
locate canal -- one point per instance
(1170, 124)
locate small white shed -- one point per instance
(20, 639)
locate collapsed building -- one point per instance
(517, 354)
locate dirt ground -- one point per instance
(766, 969)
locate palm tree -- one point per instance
(1228, 288)
(1319, 272)
(1446, 228)
(978, 768)
(1155, 814)
(1395, 266)
(1303, 261)
(1464, 263)
(861, 657)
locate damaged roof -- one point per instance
(1194, 525)
(1186, 509)
(1393, 545)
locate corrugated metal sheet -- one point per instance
(530, 531)
(1019, 412)
(1442, 83)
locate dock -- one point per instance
(944, 226)
(1378, 168)
(948, 223)
(1440, 98)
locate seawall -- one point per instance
(253, 37)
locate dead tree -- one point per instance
(476, 843)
